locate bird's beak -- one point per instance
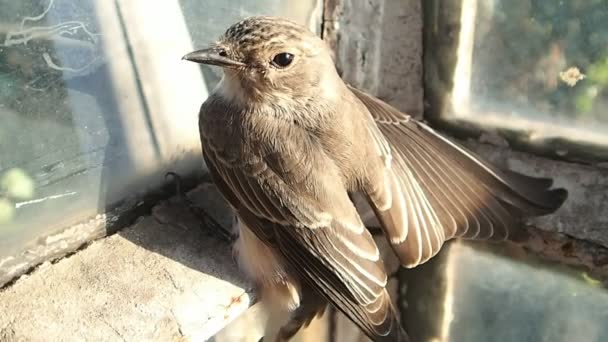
(212, 56)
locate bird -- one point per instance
(289, 144)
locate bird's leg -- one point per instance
(199, 212)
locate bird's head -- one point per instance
(269, 59)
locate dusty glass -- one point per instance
(535, 70)
(505, 297)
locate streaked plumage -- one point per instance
(287, 147)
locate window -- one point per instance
(497, 292)
(96, 105)
(536, 71)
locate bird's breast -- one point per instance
(238, 134)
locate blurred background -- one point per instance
(534, 70)
(96, 106)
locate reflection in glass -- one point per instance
(52, 101)
(476, 292)
(536, 67)
(501, 295)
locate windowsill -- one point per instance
(163, 278)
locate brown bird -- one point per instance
(288, 144)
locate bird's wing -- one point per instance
(320, 236)
(440, 190)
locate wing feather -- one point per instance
(321, 237)
(448, 191)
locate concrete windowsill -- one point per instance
(163, 279)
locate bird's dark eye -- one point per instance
(282, 60)
(223, 53)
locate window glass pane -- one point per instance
(536, 67)
(500, 294)
(96, 103)
(57, 113)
